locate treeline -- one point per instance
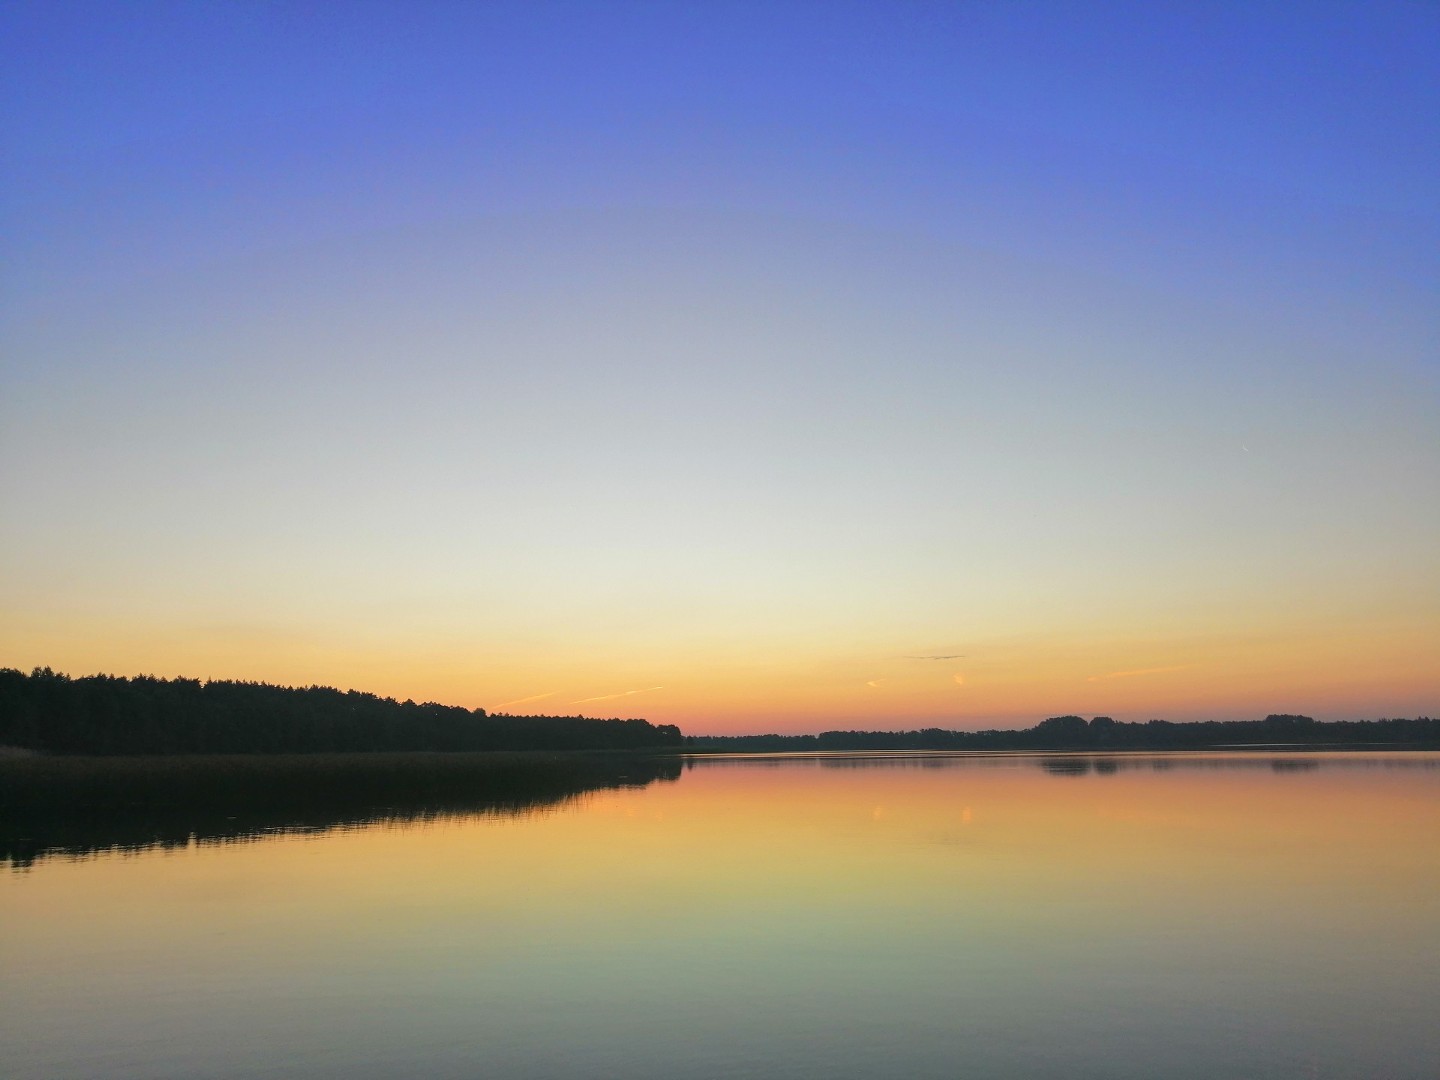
(107, 714)
(53, 713)
(1100, 733)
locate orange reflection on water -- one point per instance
(1252, 908)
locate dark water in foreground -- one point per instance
(919, 916)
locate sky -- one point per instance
(749, 367)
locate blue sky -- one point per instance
(460, 351)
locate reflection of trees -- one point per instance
(79, 806)
(880, 759)
(1070, 764)
(1297, 762)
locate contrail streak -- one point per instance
(610, 697)
(523, 700)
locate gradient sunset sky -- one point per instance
(775, 366)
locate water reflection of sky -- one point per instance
(1075, 763)
(924, 917)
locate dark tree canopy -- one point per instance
(107, 714)
(1101, 733)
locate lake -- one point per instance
(1244, 915)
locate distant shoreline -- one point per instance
(52, 713)
(1102, 733)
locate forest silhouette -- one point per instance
(53, 713)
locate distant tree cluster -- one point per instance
(107, 714)
(1099, 733)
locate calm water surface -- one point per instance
(918, 916)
